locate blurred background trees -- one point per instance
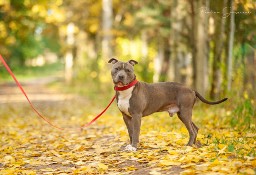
(208, 45)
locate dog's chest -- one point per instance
(124, 100)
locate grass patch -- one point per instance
(28, 72)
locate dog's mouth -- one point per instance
(120, 84)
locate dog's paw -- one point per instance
(130, 148)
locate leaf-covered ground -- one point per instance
(29, 146)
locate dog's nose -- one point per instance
(121, 77)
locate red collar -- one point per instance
(127, 86)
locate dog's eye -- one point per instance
(116, 68)
(128, 70)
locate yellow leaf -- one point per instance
(225, 169)
(83, 170)
(183, 130)
(28, 172)
(237, 163)
(247, 171)
(224, 157)
(155, 171)
(221, 146)
(47, 170)
(79, 148)
(189, 149)
(188, 165)
(188, 172)
(55, 153)
(102, 166)
(202, 167)
(215, 162)
(80, 163)
(200, 136)
(247, 147)
(131, 168)
(7, 171)
(181, 142)
(172, 152)
(35, 162)
(168, 162)
(182, 158)
(9, 159)
(254, 163)
(250, 134)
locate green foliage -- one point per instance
(243, 115)
(26, 31)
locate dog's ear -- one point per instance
(132, 62)
(113, 61)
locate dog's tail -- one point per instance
(209, 102)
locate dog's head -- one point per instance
(122, 72)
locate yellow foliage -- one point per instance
(29, 146)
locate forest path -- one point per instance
(36, 90)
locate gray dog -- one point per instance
(138, 99)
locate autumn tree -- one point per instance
(27, 29)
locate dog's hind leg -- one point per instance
(185, 115)
(196, 142)
(195, 130)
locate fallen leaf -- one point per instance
(102, 166)
(247, 171)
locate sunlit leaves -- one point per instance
(20, 22)
(29, 146)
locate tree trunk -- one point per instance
(69, 57)
(230, 47)
(175, 39)
(166, 61)
(179, 56)
(158, 61)
(193, 40)
(106, 28)
(218, 48)
(199, 45)
(201, 56)
(144, 50)
(146, 76)
(254, 72)
(249, 65)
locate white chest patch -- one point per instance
(124, 99)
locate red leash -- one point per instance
(134, 82)
(32, 106)
(93, 120)
(24, 93)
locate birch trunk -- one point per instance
(230, 47)
(218, 48)
(69, 57)
(107, 16)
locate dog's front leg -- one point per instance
(136, 123)
(128, 123)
